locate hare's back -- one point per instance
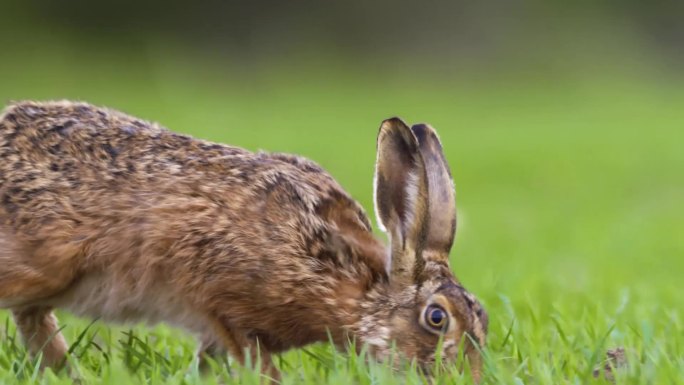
(79, 134)
(64, 159)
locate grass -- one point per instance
(570, 195)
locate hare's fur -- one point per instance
(110, 216)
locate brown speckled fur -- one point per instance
(110, 216)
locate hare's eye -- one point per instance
(435, 316)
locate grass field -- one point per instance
(570, 196)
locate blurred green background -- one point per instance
(562, 122)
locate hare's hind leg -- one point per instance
(27, 274)
(24, 282)
(40, 332)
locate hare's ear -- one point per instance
(441, 196)
(401, 196)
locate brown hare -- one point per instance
(109, 216)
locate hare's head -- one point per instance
(429, 313)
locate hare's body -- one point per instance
(112, 217)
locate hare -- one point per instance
(109, 216)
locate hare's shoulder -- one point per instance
(326, 208)
(309, 184)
